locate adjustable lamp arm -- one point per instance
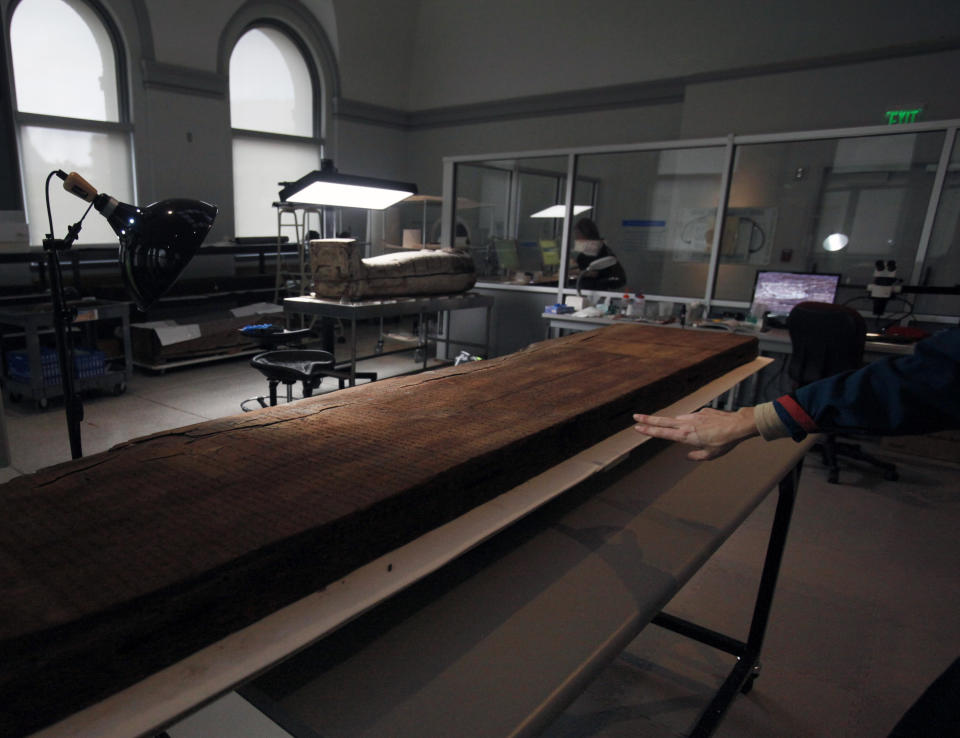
(156, 244)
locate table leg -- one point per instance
(127, 346)
(422, 340)
(486, 354)
(32, 340)
(747, 667)
(353, 352)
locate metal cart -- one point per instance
(30, 321)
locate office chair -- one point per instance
(828, 339)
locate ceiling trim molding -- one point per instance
(183, 79)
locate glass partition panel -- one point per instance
(831, 205)
(540, 207)
(585, 195)
(507, 214)
(481, 212)
(414, 223)
(942, 265)
(654, 212)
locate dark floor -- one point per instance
(865, 616)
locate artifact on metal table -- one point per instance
(339, 272)
(118, 564)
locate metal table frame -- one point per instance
(747, 668)
(458, 671)
(389, 308)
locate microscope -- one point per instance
(884, 285)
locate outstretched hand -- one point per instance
(712, 432)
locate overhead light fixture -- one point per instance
(835, 242)
(156, 244)
(559, 211)
(327, 186)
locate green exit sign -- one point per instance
(903, 115)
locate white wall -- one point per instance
(376, 50)
(427, 147)
(844, 95)
(475, 52)
(185, 32)
(470, 51)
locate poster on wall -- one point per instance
(694, 234)
(747, 236)
(644, 235)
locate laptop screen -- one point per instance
(781, 291)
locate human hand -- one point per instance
(713, 432)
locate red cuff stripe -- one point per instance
(797, 413)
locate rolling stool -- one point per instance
(289, 366)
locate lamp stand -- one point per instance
(63, 317)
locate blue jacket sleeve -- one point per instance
(919, 393)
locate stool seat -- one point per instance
(293, 365)
(268, 339)
(289, 366)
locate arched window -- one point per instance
(273, 115)
(71, 111)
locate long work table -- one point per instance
(490, 624)
(772, 340)
(391, 308)
(528, 623)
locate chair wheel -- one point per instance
(833, 477)
(891, 476)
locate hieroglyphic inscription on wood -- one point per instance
(117, 564)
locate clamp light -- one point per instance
(156, 242)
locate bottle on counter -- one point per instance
(633, 305)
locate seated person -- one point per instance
(589, 247)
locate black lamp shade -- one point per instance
(157, 242)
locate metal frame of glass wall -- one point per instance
(896, 189)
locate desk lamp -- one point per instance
(604, 262)
(327, 186)
(156, 244)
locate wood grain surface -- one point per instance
(118, 564)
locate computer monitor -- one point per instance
(549, 253)
(507, 256)
(781, 291)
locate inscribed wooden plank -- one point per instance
(115, 565)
